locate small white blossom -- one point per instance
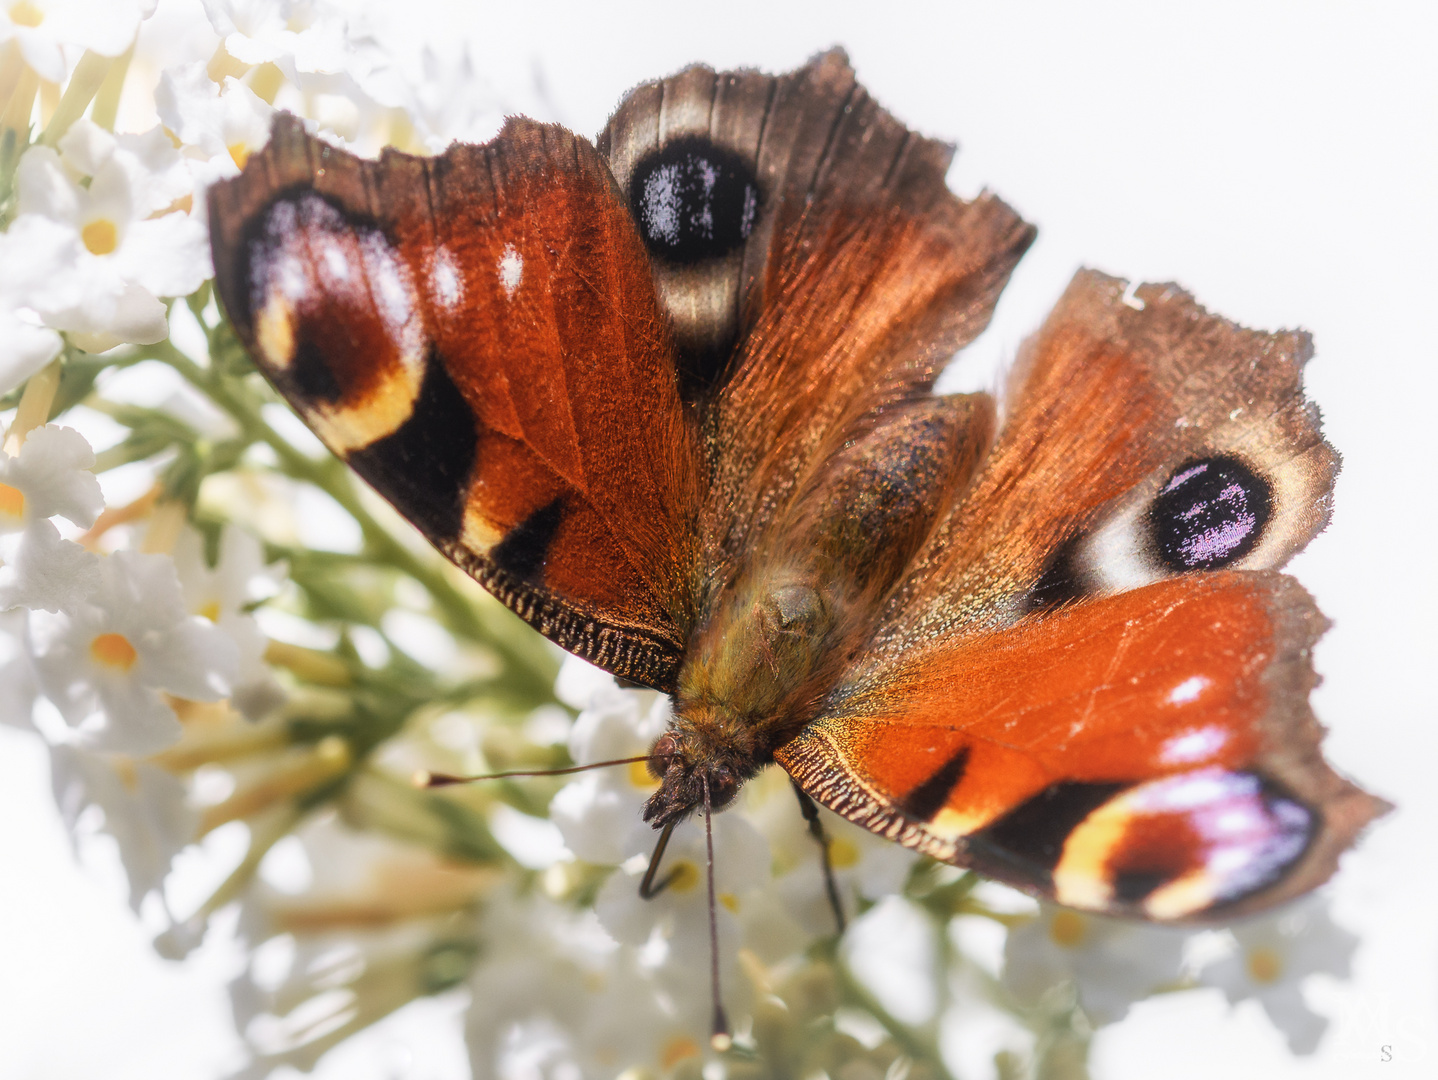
(222, 594)
(34, 255)
(1110, 962)
(145, 810)
(49, 477)
(105, 665)
(298, 35)
(44, 28)
(125, 258)
(219, 125)
(598, 809)
(1274, 954)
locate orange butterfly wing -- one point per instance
(478, 336)
(1149, 753)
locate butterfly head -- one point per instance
(685, 765)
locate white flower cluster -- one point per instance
(129, 642)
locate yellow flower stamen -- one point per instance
(730, 901)
(25, 13)
(239, 153)
(210, 610)
(12, 502)
(1067, 929)
(1265, 965)
(639, 776)
(100, 236)
(843, 853)
(686, 876)
(676, 1050)
(114, 650)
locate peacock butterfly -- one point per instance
(668, 396)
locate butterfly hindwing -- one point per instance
(477, 334)
(1149, 753)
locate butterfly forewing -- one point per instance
(477, 335)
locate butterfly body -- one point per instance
(669, 398)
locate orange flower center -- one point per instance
(676, 1050)
(1265, 965)
(686, 876)
(1067, 929)
(25, 14)
(114, 650)
(12, 502)
(843, 853)
(639, 775)
(100, 236)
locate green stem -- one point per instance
(916, 1047)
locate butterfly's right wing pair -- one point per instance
(1092, 682)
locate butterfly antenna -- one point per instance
(720, 1039)
(647, 889)
(426, 779)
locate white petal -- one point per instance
(195, 660)
(168, 255)
(24, 349)
(42, 187)
(46, 573)
(86, 146)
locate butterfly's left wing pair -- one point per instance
(593, 376)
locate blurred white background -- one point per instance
(1280, 160)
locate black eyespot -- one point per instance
(694, 201)
(1211, 513)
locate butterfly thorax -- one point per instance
(780, 633)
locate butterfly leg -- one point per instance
(647, 889)
(816, 830)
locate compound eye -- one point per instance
(662, 754)
(722, 787)
(1211, 513)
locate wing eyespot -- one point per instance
(694, 201)
(1211, 512)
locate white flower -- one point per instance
(125, 258)
(552, 993)
(220, 125)
(599, 809)
(1274, 954)
(145, 810)
(105, 665)
(301, 35)
(865, 866)
(679, 916)
(1111, 963)
(221, 594)
(49, 477)
(345, 928)
(43, 28)
(34, 253)
(158, 177)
